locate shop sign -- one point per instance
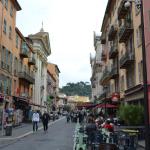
(115, 97)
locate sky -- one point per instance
(70, 24)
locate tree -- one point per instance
(80, 88)
(131, 114)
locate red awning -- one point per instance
(85, 105)
(106, 106)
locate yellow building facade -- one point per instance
(122, 53)
(16, 63)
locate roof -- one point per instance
(106, 13)
(52, 69)
(53, 77)
(18, 7)
(24, 39)
(44, 37)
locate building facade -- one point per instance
(96, 66)
(54, 71)
(121, 40)
(41, 48)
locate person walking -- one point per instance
(35, 120)
(45, 119)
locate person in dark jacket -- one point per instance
(45, 120)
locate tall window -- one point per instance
(6, 4)
(130, 76)
(17, 39)
(10, 32)
(140, 71)
(5, 26)
(122, 85)
(11, 10)
(139, 36)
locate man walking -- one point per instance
(45, 119)
(35, 120)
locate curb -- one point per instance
(12, 140)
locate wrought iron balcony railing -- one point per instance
(122, 11)
(26, 76)
(24, 50)
(127, 59)
(114, 73)
(113, 52)
(125, 31)
(112, 32)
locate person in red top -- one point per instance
(108, 126)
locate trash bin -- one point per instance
(8, 130)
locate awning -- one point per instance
(106, 106)
(86, 105)
(37, 105)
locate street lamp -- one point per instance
(139, 4)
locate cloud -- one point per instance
(70, 24)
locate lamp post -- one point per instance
(139, 4)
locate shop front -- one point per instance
(21, 110)
(135, 95)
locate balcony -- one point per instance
(31, 61)
(112, 33)
(125, 32)
(103, 56)
(26, 76)
(126, 60)
(24, 50)
(122, 11)
(103, 39)
(105, 76)
(113, 52)
(114, 72)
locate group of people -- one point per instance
(101, 122)
(36, 119)
(76, 115)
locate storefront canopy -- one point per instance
(106, 106)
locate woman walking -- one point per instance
(45, 119)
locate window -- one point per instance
(11, 10)
(2, 1)
(139, 36)
(5, 26)
(17, 38)
(11, 62)
(10, 32)
(122, 83)
(130, 76)
(6, 4)
(140, 71)
(137, 10)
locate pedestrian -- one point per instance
(68, 117)
(45, 120)
(35, 120)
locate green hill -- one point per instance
(79, 88)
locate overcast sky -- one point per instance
(70, 24)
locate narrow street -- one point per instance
(59, 137)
